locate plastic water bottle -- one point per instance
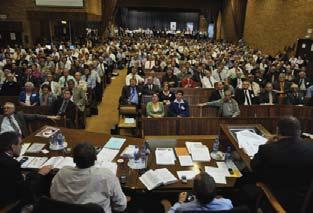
(136, 153)
(228, 156)
(216, 145)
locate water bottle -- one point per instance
(136, 153)
(216, 145)
(228, 156)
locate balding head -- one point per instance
(289, 126)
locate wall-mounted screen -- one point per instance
(60, 3)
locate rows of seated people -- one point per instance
(68, 81)
(157, 65)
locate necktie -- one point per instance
(219, 75)
(270, 98)
(247, 97)
(222, 93)
(210, 81)
(16, 128)
(150, 87)
(63, 107)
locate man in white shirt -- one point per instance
(87, 183)
(134, 75)
(207, 81)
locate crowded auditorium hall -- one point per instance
(159, 106)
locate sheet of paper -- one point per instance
(24, 148)
(67, 161)
(188, 174)
(35, 148)
(250, 142)
(185, 160)
(115, 143)
(47, 132)
(229, 165)
(25, 160)
(200, 154)
(53, 161)
(107, 154)
(165, 156)
(218, 174)
(129, 120)
(37, 162)
(129, 151)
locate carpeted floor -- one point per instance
(108, 112)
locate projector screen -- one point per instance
(60, 3)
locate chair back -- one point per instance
(47, 205)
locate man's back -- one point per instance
(90, 185)
(286, 166)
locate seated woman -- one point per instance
(166, 96)
(154, 108)
(29, 97)
(46, 97)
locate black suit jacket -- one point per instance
(264, 98)
(70, 109)
(307, 82)
(23, 119)
(10, 89)
(240, 97)
(126, 94)
(286, 167)
(147, 91)
(13, 185)
(215, 95)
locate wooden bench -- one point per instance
(208, 125)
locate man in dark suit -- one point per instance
(245, 96)
(282, 85)
(238, 81)
(64, 106)
(131, 94)
(18, 121)
(218, 93)
(14, 186)
(285, 164)
(268, 96)
(303, 81)
(150, 88)
(10, 87)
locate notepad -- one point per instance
(181, 151)
(200, 154)
(185, 160)
(165, 156)
(115, 143)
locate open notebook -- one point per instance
(154, 178)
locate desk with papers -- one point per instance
(184, 160)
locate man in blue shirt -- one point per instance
(205, 200)
(179, 107)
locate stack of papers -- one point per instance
(59, 162)
(115, 143)
(198, 151)
(152, 179)
(165, 156)
(250, 142)
(36, 147)
(222, 171)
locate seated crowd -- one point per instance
(156, 65)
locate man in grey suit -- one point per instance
(17, 121)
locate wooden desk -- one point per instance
(74, 137)
(227, 136)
